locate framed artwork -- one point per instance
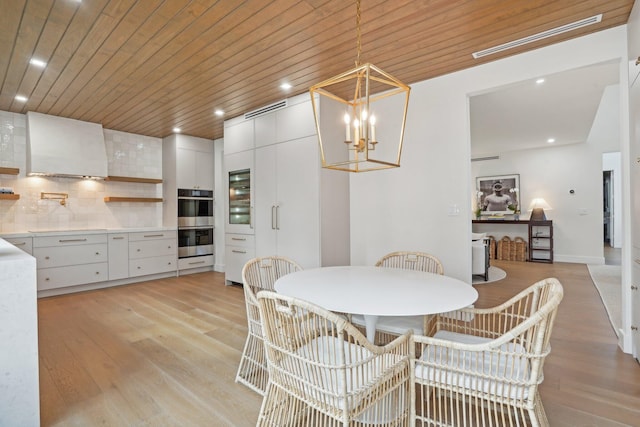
(499, 194)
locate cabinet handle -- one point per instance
(138, 267)
(138, 250)
(634, 288)
(198, 262)
(277, 217)
(637, 260)
(273, 217)
(634, 328)
(251, 217)
(169, 247)
(97, 253)
(46, 279)
(71, 240)
(238, 251)
(118, 238)
(239, 238)
(46, 257)
(97, 272)
(20, 244)
(154, 235)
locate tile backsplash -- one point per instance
(128, 155)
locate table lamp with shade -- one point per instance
(537, 208)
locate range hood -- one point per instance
(57, 146)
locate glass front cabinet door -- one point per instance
(239, 172)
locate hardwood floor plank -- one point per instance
(165, 352)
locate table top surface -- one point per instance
(377, 291)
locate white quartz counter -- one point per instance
(34, 233)
(19, 386)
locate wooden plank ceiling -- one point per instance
(147, 66)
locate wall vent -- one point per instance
(543, 35)
(267, 109)
(482, 159)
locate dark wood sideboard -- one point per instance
(540, 243)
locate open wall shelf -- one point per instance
(133, 179)
(112, 199)
(9, 196)
(9, 171)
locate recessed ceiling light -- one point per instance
(285, 86)
(21, 98)
(551, 140)
(219, 113)
(176, 130)
(37, 62)
(540, 81)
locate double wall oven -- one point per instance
(195, 223)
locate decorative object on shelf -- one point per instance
(537, 208)
(62, 197)
(364, 151)
(515, 205)
(478, 206)
(499, 193)
(6, 190)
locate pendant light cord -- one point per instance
(358, 42)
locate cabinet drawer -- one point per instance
(144, 266)
(152, 248)
(70, 255)
(69, 240)
(244, 240)
(152, 235)
(24, 243)
(60, 277)
(235, 259)
(195, 262)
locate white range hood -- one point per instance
(57, 146)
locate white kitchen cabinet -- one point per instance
(69, 260)
(194, 163)
(23, 243)
(634, 116)
(118, 246)
(298, 209)
(287, 207)
(152, 253)
(239, 248)
(238, 135)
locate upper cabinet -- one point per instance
(238, 135)
(195, 166)
(187, 162)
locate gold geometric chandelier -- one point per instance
(360, 117)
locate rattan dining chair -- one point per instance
(324, 372)
(485, 369)
(389, 327)
(258, 274)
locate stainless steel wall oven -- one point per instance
(195, 223)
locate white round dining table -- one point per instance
(377, 291)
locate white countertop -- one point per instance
(35, 233)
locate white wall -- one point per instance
(407, 208)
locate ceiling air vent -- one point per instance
(265, 110)
(482, 159)
(543, 35)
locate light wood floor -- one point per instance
(165, 352)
